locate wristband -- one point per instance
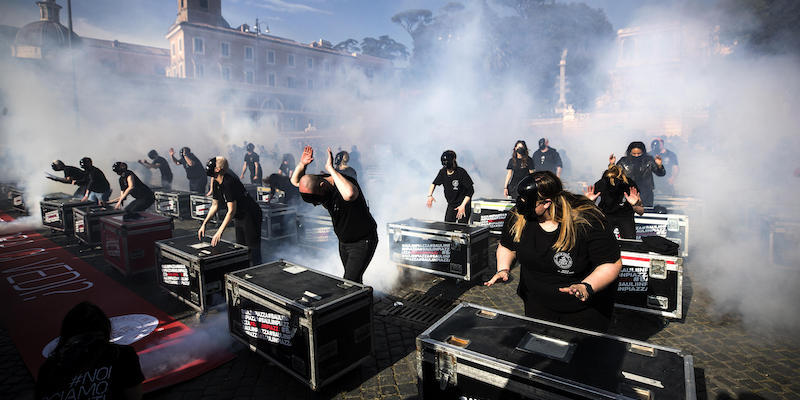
(508, 271)
(589, 288)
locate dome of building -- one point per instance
(46, 33)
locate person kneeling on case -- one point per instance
(342, 197)
(242, 208)
(130, 184)
(569, 258)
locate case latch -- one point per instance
(234, 293)
(658, 269)
(397, 235)
(446, 369)
(476, 208)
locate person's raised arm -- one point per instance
(172, 155)
(347, 189)
(306, 158)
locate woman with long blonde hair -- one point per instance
(569, 258)
(619, 199)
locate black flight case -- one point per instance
(490, 213)
(173, 203)
(87, 222)
(194, 271)
(57, 213)
(279, 221)
(674, 227)
(475, 352)
(649, 282)
(199, 206)
(315, 230)
(447, 249)
(313, 325)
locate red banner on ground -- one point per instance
(40, 282)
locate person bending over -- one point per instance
(130, 184)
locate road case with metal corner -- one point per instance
(490, 213)
(17, 197)
(784, 242)
(476, 352)
(57, 214)
(448, 249)
(315, 229)
(266, 194)
(129, 244)
(679, 204)
(251, 189)
(173, 203)
(87, 222)
(674, 227)
(279, 221)
(199, 205)
(313, 325)
(649, 282)
(194, 271)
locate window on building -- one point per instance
(226, 73)
(198, 71)
(291, 82)
(198, 45)
(290, 60)
(248, 53)
(310, 84)
(172, 49)
(248, 77)
(180, 45)
(225, 49)
(310, 63)
(270, 57)
(327, 66)
(271, 79)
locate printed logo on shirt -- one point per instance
(455, 184)
(563, 261)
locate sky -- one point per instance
(146, 21)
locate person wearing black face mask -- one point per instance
(345, 201)
(72, 175)
(130, 184)
(519, 166)
(547, 158)
(194, 169)
(665, 184)
(156, 161)
(242, 208)
(569, 258)
(458, 189)
(640, 166)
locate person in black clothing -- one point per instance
(569, 257)
(519, 166)
(547, 158)
(287, 163)
(84, 350)
(291, 195)
(72, 175)
(619, 199)
(343, 198)
(241, 207)
(97, 187)
(340, 163)
(194, 170)
(666, 184)
(251, 161)
(163, 166)
(458, 189)
(640, 166)
(130, 184)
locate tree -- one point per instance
(767, 26)
(411, 20)
(348, 46)
(384, 47)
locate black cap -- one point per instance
(542, 141)
(251, 147)
(119, 167)
(448, 157)
(86, 162)
(210, 166)
(337, 161)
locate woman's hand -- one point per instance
(612, 159)
(576, 289)
(502, 274)
(589, 192)
(201, 232)
(505, 192)
(118, 205)
(658, 161)
(633, 197)
(216, 238)
(461, 211)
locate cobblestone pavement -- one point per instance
(730, 362)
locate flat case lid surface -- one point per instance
(596, 361)
(99, 210)
(440, 226)
(145, 220)
(172, 193)
(504, 201)
(200, 249)
(302, 284)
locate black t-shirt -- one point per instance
(352, 220)
(349, 171)
(612, 197)
(518, 171)
(163, 167)
(668, 158)
(75, 173)
(546, 161)
(110, 369)
(97, 180)
(544, 270)
(230, 190)
(251, 159)
(195, 171)
(284, 184)
(139, 191)
(456, 186)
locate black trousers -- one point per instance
(198, 185)
(647, 196)
(590, 318)
(248, 232)
(356, 257)
(625, 224)
(140, 204)
(450, 214)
